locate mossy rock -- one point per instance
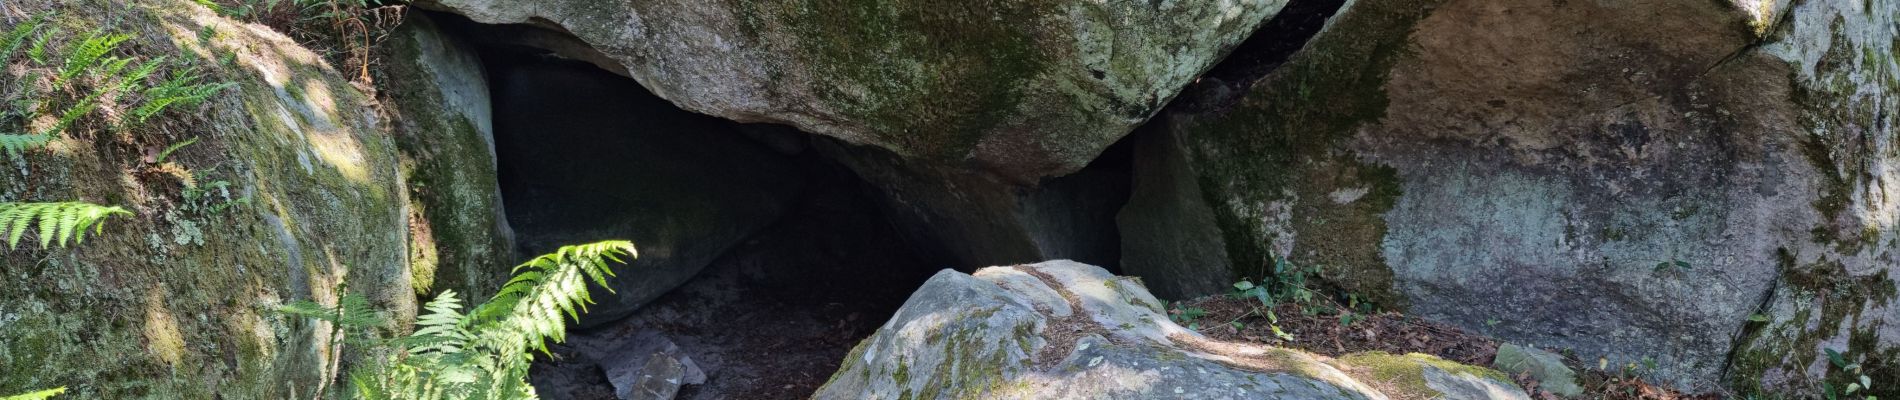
(439, 110)
(1423, 376)
(1027, 89)
(299, 193)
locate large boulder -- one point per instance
(436, 96)
(1634, 181)
(1065, 330)
(1025, 89)
(588, 156)
(290, 191)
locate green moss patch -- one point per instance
(1403, 377)
(1283, 143)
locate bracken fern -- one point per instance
(485, 354)
(61, 222)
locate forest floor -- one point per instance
(1320, 330)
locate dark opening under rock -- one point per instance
(773, 317)
(586, 155)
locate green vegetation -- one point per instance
(344, 31)
(85, 80)
(480, 355)
(1281, 146)
(1858, 380)
(62, 223)
(39, 395)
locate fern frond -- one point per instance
(62, 222)
(484, 354)
(353, 310)
(37, 52)
(527, 312)
(182, 90)
(18, 35)
(14, 144)
(40, 395)
(72, 114)
(135, 79)
(160, 159)
(89, 53)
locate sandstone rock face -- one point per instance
(1025, 89)
(1630, 181)
(598, 158)
(299, 192)
(438, 104)
(1064, 330)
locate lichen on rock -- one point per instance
(1629, 182)
(1025, 89)
(1065, 330)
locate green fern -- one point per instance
(40, 395)
(17, 37)
(485, 354)
(73, 113)
(182, 90)
(65, 221)
(527, 310)
(160, 159)
(15, 144)
(90, 53)
(352, 311)
(37, 52)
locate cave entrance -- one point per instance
(762, 262)
(764, 259)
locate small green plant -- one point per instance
(87, 78)
(485, 353)
(1859, 382)
(90, 56)
(61, 222)
(18, 36)
(15, 144)
(1181, 313)
(1672, 266)
(352, 322)
(40, 395)
(160, 158)
(184, 89)
(1261, 305)
(213, 197)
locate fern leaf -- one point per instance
(72, 114)
(484, 354)
(135, 79)
(15, 144)
(37, 52)
(174, 147)
(88, 53)
(62, 222)
(17, 37)
(40, 395)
